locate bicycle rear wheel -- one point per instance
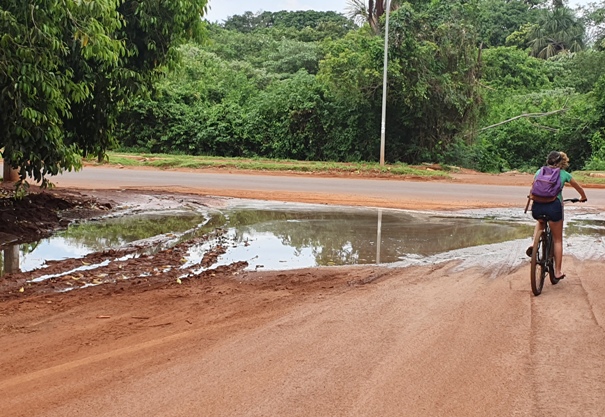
(538, 264)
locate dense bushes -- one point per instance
(314, 93)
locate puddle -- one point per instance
(585, 227)
(279, 236)
(84, 238)
(295, 238)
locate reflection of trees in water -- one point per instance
(99, 235)
(350, 238)
(439, 235)
(10, 256)
(332, 237)
(10, 260)
(585, 228)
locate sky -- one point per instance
(220, 10)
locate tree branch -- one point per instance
(545, 127)
(550, 113)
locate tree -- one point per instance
(299, 20)
(498, 19)
(595, 16)
(37, 88)
(556, 31)
(67, 65)
(510, 69)
(432, 74)
(370, 13)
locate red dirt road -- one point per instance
(354, 341)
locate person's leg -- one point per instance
(537, 230)
(557, 235)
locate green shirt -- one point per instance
(565, 178)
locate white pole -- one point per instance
(383, 124)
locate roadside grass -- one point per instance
(590, 177)
(166, 161)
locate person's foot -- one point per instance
(560, 277)
(529, 251)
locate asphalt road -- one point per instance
(353, 191)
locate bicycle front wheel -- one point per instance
(538, 264)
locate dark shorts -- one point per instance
(553, 211)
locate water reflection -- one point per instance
(285, 236)
(10, 260)
(284, 239)
(585, 227)
(82, 239)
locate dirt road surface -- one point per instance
(342, 341)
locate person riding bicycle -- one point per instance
(554, 209)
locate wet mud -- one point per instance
(335, 236)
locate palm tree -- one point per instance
(360, 13)
(558, 30)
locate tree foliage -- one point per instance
(372, 12)
(328, 23)
(463, 86)
(66, 67)
(497, 20)
(557, 30)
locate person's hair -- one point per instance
(557, 159)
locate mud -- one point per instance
(39, 213)
(460, 337)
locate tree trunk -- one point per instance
(9, 174)
(11, 259)
(380, 8)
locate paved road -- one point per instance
(378, 192)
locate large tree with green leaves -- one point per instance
(498, 19)
(67, 65)
(432, 79)
(557, 30)
(595, 16)
(296, 20)
(371, 11)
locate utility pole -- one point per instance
(383, 124)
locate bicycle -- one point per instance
(543, 256)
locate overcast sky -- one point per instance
(221, 9)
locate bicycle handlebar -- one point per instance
(574, 200)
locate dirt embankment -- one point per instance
(341, 341)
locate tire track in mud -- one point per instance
(566, 346)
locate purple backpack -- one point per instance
(547, 184)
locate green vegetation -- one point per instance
(67, 67)
(261, 164)
(491, 85)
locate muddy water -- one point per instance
(149, 229)
(286, 236)
(295, 238)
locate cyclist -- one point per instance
(554, 209)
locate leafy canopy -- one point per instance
(67, 65)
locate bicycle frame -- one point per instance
(543, 256)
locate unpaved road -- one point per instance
(355, 341)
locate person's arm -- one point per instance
(579, 189)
